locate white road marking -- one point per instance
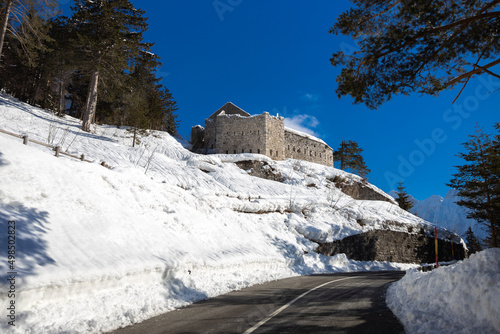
(275, 313)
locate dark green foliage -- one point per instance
(54, 70)
(420, 46)
(478, 182)
(403, 199)
(472, 242)
(26, 41)
(348, 157)
(26, 25)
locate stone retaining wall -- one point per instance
(383, 245)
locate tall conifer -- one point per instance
(403, 199)
(348, 157)
(477, 182)
(109, 35)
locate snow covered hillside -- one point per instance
(462, 298)
(445, 212)
(98, 248)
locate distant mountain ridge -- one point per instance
(445, 212)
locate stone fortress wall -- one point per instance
(230, 130)
(302, 147)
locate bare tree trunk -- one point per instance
(5, 22)
(61, 97)
(135, 136)
(90, 106)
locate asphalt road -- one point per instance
(336, 303)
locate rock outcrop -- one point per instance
(260, 169)
(359, 190)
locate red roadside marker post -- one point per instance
(435, 239)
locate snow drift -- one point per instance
(461, 298)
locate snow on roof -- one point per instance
(303, 134)
(229, 108)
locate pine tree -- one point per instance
(423, 47)
(348, 157)
(170, 123)
(495, 171)
(477, 182)
(25, 21)
(149, 105)
(472, 242)
(27, 38)
(403, 199)
(109, 37)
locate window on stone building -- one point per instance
(276, 153)
(288, 147)
(258, 150)
(227, 151)
(270, 152)
(242, 133)
(250, 151)
(234, 151)
(242, 150)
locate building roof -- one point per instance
(229, 109)
(306, 135)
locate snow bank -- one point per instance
(462, 298)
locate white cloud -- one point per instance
(304, 123)
(310, 97)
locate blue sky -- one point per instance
(274, 56)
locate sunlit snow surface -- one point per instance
(463, 298)
(101, 248)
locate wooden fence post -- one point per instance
(82, 158)
(25, 139)
(58, 149)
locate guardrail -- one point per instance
(57, 148)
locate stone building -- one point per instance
(230, 130)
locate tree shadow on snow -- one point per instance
(3, 162)
(31, 249)
(73, 129)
